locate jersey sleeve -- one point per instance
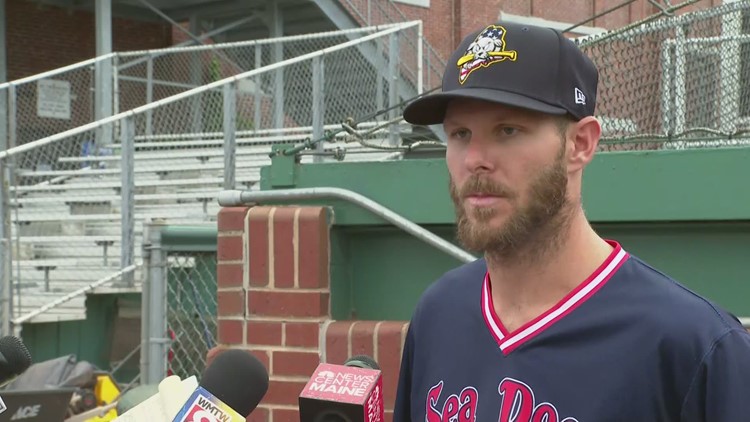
(402, 405)
(719, 390)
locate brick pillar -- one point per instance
(383, 340)
(273, 300)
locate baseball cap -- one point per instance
(517, 65)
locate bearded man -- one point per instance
(553, 323)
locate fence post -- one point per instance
(258, 89)
(6, 267)
(149, 94)
(127, 194)
(318, 103)
(12, 118)
(393, 61)
(230, 129)
(154, 339)
(679, 87)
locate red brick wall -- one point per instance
(446, 23)
(273, 300)
(42, 37)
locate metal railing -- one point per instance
(675, 82)
(379, 12)
(232, 198)
(61, 99)
(139, 171)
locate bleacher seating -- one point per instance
(68, 224)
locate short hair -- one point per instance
(563, 123)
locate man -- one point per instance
(553, 323)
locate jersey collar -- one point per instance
(508, 341)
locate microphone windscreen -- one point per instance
(362, 361)
(16, 354)
(237, 378)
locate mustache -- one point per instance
(476, 185)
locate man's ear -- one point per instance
(583, 139)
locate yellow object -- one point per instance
(106, 391)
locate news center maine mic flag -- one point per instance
(357, 390)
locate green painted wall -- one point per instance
(689, 185)
(380, 272)
(685, 212)
(90, 339)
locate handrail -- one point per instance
(175, 49)
(230, 198)
(201, 89)
(53, 72)
(262, 41)
(57, 302)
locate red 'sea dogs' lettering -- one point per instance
(519, 405)
(456, 408)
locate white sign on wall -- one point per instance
(53, 99)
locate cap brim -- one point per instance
(430, 109)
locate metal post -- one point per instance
(277, 55)
(258, 93)
(679, 86)
(3, 78)
(146, 251)
(6, 267)
(730, 62)
(127, 193)
(379, 84)
(196, 79)
(420, 53)
(115, 85)
(230, 129)
(667, 82)
(149, 94)
(393, 60)
(154, 338)
(318, 103)
(12, 119)
(103, 89)
(428, 66)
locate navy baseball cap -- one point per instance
(517, 65)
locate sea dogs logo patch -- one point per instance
(487, 48)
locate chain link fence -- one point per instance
(73, 203)
(191, 311)
(179, 300)
(384, 12)
(676, 82)
(62, 99)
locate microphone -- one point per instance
(14, 359)
(231, 387)
(344, 393)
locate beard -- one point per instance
(530, 229)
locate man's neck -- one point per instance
(525, 287)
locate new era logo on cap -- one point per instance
(579, 97)
(525, 66)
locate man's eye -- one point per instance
(460, 134)
(507, 130)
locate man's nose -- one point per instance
(477, 157)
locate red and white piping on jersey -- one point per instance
(509, 341)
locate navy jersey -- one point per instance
(629, 344)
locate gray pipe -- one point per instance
(230, 198)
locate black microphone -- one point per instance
(344, 393)
(231, 386)
(14, 358)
